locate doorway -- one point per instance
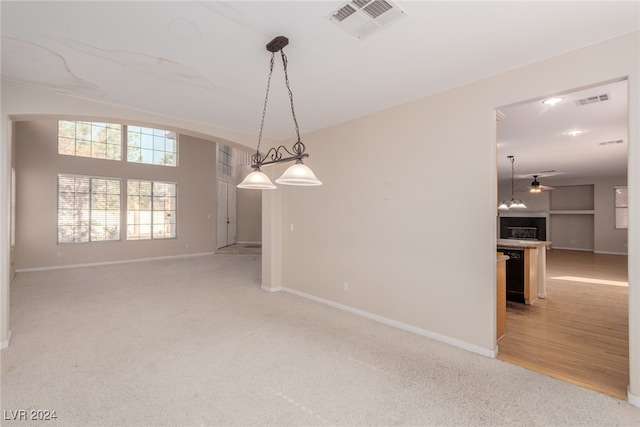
(579, 143)
(227, 214)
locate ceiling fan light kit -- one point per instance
(298, 174)
(535, 185)
(513, 203)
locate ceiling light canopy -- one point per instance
(297, 174)
(552, 101)
(513, 203)
(574, 132)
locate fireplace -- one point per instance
(522, 233)
(523, 228)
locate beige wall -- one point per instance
(38, 165)
(22, 103)
(249, 216)
(406, 215)
(397, 216)
(596, 233)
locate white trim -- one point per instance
(269, 289)
(404, 326)
(125, 261)
(524, 214)
(5, 344)
(572, 249)
(633, 399)
(610, 253)
(247, 243)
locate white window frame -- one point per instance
(93, 222)
(97, 141)
(151, 146)
(154, 222)
(621, 207)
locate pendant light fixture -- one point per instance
(298, 173)
(513, 203)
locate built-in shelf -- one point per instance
(573, 212)
(572, 198)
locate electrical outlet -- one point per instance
(291, 227)
(345, 286)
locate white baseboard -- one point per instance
(610, 253)
(572, 249)
(404, 326)
(633, 399)
(5, 344)
(268, 289)
(124, 261)
(248, 243)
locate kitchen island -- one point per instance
(526, 268)
(501, 294)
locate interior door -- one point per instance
(226, 214)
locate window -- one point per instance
(151, 210)
(151, 146)
(88, 209)
(224, 159)
(90, 139)
(621, 207)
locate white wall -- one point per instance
(407, 211)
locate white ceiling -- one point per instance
(536, 135)
(206, 61)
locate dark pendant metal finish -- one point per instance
(277, 44)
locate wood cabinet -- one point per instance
(501, 293)
(531, 269)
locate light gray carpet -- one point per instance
(196, 342)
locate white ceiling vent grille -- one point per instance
(593, 99)
(617, 141)
(362, 18)
(500, 115)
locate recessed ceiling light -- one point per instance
(552, 101)
(574, 132)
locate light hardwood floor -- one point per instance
(579, 333)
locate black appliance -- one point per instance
(515, 274)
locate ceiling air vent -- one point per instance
(593, 99)
(500, 115)
(617, 141)
(362, 18)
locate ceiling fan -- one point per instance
(536, 187)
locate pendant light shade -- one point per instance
(298, 174)
(513, 203)
(257, 180)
